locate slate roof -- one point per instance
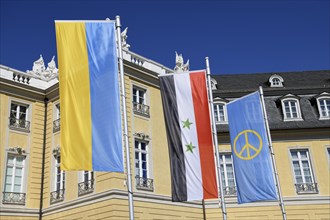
(306, 85)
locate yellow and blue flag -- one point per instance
(91, 131)
(250, 150)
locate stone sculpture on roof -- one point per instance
(39, 71)
(124, 36)
(180, 66)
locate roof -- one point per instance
(292, 81)
(305, 85)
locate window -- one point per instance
(56, 122)
(276, 81)
(324, 107)
(18, 117)
(87, 183)
(141, 166)
(227, 174)
(220, 112)
(14, 180)
(139, 102)
(59, 176)
(328, 151)
(291, 109)
(303, 172)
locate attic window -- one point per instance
(323, 104)
(291, 108)
(276, 81)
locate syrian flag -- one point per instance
(188, 126)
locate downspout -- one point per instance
(43, 161)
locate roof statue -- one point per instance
(39, 71)
(179, 64)
(124, 36)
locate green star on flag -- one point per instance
(190, 147)
(187, 123)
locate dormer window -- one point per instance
(276, 81)
(220, 112)
(323, 104)
(291, 108)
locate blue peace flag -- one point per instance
(250, 150)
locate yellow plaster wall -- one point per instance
(118, 209)
(308, 212)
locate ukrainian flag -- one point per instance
(91, 131)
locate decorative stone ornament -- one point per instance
(39, 71)
(142, 136)
(17, 150)
(124, 36)
(179, 64)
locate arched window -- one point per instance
(276, 81)
(323, 104)
(291, 108)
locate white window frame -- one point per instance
(140, 152)
(223, 164)
(323, 98)
(297, 105)
(62, 174)
(217, 117)
(279, 81)
(57, 112)
(300, 160)
(19, 105)
(137, 95)
(14, 166)
(90, 176)
(327, 148)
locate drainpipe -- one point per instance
(43, 161)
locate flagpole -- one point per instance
(215, 140)
(272, 153)
(128, 164)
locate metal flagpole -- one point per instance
(272, 153)
(128, 164)
(215, 140)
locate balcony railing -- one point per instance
(141, 109)
(19, 124)
(85, 187)
(56, 125)
(302, 188)
(13, 198)
(144, 183)
(229, 191)
(57, 196)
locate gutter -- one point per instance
(43, 161)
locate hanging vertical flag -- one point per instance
(187, 118)
(91, 132)
(253, 169)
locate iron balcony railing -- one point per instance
(144, 183)
(19, 124)
(229, 190)
(57, 196)
(85, 187)
(302, 188)
(13, 198)
(56, 125)
(141, 109)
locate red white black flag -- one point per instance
(188, 126)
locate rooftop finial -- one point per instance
(180, 66)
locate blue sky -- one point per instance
(237, 36)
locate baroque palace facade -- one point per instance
(34, 187)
